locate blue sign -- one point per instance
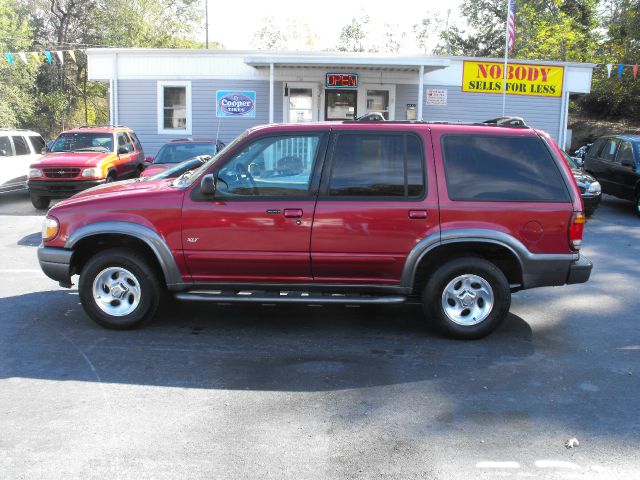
(231, 103)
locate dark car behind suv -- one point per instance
(614, 161)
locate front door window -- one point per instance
(378, 101)
(340, 105)
(300, 105)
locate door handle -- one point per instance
(417, 214)
(293, 212)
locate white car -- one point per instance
(18, 150)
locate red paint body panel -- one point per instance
(241, 241)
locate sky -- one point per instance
(235, 27)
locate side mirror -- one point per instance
(44, 151)
(148, 159)
(122, 150)
(208, 185)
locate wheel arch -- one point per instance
(128, 235)
(506, 252)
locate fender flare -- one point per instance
(155, 242)
(526, 259)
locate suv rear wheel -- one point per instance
(467, 298)
(119, 290)
(41, 203)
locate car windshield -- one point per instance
(186, 180)
(572, 163)
(83, 142)
(179, 152)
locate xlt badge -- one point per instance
(192, 239)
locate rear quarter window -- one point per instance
(491, 168)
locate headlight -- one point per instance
(595, 188)
(50, 228)
(92, 173)
(35, 173)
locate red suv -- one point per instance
(371, 213)
(83, 158)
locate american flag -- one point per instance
(511, 25)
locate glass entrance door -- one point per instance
(340, 104)
(377, 98)
(300, 105)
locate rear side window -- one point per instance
(37, 143)
(5, 147)
(609, 150)
(625, 153)
(20, 144)
(501, 169)
(136, 142)
(377, 166)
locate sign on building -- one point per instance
(522, 79)
(341, 80)
(436, 96)
(235, 103)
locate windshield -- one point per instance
(179, 152)
(83, 142)
(572, 163)
(194, 174)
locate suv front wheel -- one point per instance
(119, 290)
(467, 298)
(39, 202)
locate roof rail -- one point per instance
(507, 122)
(371, 117)
(102, 126)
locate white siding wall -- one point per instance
(137, 108)
(539, 112)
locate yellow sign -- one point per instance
(522, 78)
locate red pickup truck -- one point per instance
(459, 216)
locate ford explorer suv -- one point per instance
(18, 150)
(83, 158)
(459, 216)
(615, 162)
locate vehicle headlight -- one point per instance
(92, 173)
(595, 188)
(35, 172)
(50, 228)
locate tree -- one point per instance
(353, 35)
(17, 92)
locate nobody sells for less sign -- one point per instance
(522, 78)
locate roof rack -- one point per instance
(102, 126)
(507, 122)
(371, 117)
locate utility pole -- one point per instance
(206, 23)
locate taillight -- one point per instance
(576, 229)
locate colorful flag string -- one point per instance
(39, 56)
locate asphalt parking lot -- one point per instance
(212, 391)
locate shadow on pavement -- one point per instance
(288, 348)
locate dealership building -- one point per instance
(164, 94)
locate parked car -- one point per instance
(590, 188)
(180, 168)
(82, 158)
(456, 215)
(18, 149)
(177, 151)
(613, 161)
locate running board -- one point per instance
(249, 296)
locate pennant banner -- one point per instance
(38, 56)
(620, 68)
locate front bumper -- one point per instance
(62, 188)
(56, 264)
(579, 270)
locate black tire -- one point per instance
(432, 297)
(111, 177)
(147, 277)
(41, 203)
(589, 211)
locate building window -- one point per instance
(174, 108)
